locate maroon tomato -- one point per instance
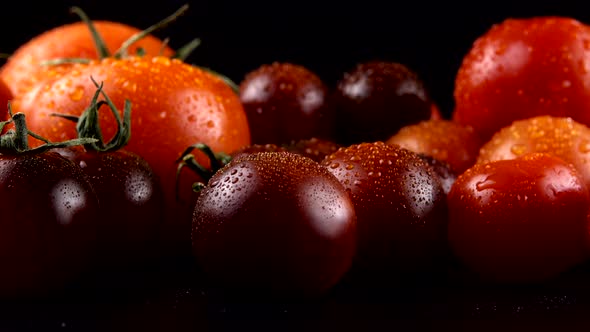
(400, 206)
(519, 220)
(521, 68)
(375, 99)
(274, 222)
(285, 102)
(49, 217)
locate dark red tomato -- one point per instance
(519, 220)
(400, 206)
(314, 148)
(522, 68)
(445, 140)
(48, 225)
(285, 102)
(375, 99)
(274, 222)
(131, 201)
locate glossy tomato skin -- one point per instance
(174, 105)
(560, 136)
(376, 98)
(274, 223)
(48, 227)
(522, 68)
(131, 201)
(400, 206)
(521, 220)
(71, 40)
(285, 102)
(445, 140)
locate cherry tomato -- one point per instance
(519, 220)
(175, 105)
(131, 202)
(400, 207)
(376, 98)
(444, 140)
(521, 68)
(274, 222)
(49, 217)
(560, 136)
(285, 102)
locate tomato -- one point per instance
(286, 102)
(522, 68)
(519, 220)
(49, 217)
(560, 136)
(400, 207)
(274, 223)
(376, 98)
(71, 41)
(444, 140)
(175, 105)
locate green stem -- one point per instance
(101, 48)
(122, 51)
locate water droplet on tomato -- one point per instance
(77, 94)
(584, 146)
(518, 149)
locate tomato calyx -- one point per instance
(88, 125)
(102, 51)
(187, 159)
(16, 140)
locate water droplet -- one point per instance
(518, 149)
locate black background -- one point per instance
(327, 36)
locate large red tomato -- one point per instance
(522, 68)
(71, 41)
(174, 105)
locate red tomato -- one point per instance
(445, 140)
(274, 223)
(400, 206)
(522, 68)
(174, 105)
(519, 220)
(71, 41)
(559, 136)
(49, 217)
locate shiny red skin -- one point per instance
(285, 102)
(400, 206)
(524, 67)
(521, 220)
(131, 204)
(274, 223)
(376, 98)
(48, 227)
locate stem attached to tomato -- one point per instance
(187, 159)
(15, 140)
(88, 124)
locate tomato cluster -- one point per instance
(283, 183)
